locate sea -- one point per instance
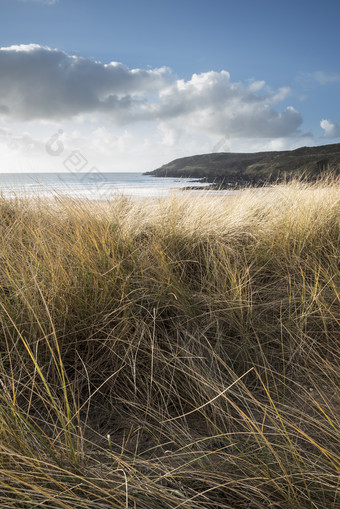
(92, 185)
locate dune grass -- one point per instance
(173, 353)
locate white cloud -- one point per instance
(42, 83)
(324, 78)
(331, 129)
(125, 119)
(44, 2)
(308, 79)
(211, 103)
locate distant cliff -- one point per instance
(225, 169)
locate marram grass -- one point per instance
(173, 353)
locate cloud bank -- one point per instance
(210, 102)
(40, 83)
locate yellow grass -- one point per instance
(172, 353)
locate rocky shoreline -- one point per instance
(233, 170)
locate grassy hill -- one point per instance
(254, 168)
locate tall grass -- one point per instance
(173, 353)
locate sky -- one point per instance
(129, 86)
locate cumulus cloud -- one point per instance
(331, 129)
(42, 83)
(210, 102)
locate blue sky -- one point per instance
(134, 84)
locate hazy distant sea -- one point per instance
(95, 186)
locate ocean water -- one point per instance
(91, 185)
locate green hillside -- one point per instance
(254, 168)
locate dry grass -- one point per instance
(180, 353)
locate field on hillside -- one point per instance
(174, 353)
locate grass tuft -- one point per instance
(172, 353)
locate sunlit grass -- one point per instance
(172, 353)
